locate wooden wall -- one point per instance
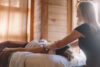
(74, 13)
(44, 19)
(37, 20)
(52, 19)
(57, 19)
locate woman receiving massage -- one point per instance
(88, 35)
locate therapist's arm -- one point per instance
(74, 43)
(68, 39)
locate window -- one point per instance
(13, 20)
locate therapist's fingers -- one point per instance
(44, 46)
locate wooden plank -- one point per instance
(74, 11)
(44, 19)
(37, 20)
(57, 9)
(69, 16)
(57, 19)
(32, 21)
(57, 23)
(26, 11)
(58, 28)
(57, 2)
(52, 37)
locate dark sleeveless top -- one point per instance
(90, 44)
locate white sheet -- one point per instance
(18, 59)
(28, 59)
(45, 60)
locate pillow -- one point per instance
(32, 44)
(36, 44)
(43, 42)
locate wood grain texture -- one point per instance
(37, 20)
(32, 21)
(57, 19)
(69, 14)
(44, 19)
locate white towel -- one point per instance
(45, 60)
(18, 59)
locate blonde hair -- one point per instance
(88, 11)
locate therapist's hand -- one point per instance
(50, 47)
